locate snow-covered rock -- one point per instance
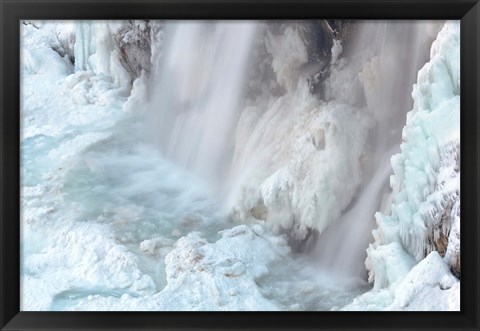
(221, 275)
(200, 275)
(428, 286)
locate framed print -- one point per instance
(239, 165)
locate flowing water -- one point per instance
(198, 83)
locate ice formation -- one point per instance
(425, 209)
(138, 198)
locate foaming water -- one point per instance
(198, 82)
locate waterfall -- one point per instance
(341, 248)
(396, 51)
(197, 84)
(196, 103)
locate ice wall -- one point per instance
(425, 209)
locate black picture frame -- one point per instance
(12, 11)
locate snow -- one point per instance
(221, 276)
(428, 286)
(431, 278)
(79, 256)
(199, 275)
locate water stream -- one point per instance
(197, 86)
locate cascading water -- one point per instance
(397, 50)
(195, 108)
(198, 82)
(336, 247)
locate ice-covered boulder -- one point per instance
(221, 275)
